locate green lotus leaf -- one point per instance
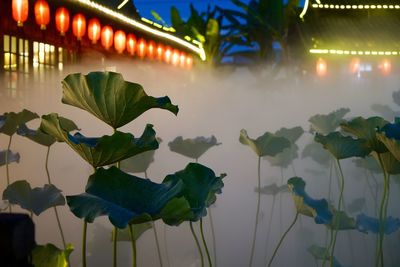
(138, 230)
(266, 145)
(104, 150)
(385, 111)
(324, 124)
(342, 147)
(12, 157)
(51, 256)
(193, 148)
(110, 98)
(319, 253)
(390, 163)
(316, 208)
(356, 205)
(124, 198)
(316, 152)
(10, 121)
(272, 189)
(35, 200)
(365, 129)
(38, 136)
(292, 134)
(200, 186)
(341, 221)
(368, 163)
(285, 158)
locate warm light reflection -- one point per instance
(321, 67)
(386, 67)
(354, 65)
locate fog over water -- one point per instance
(219, 104)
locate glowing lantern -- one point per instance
(94, 29)
(189, 62)
(107, 36)
(182, 59)
(42, 13)
(167, 55)
(386, 67)
(79, 26)
(20, 10)
(160, 52)
(141, 48)
(355, 65)
(62, 20)
(175, 57)
(119, 41)
(151, 50)
(322, 67)
(131, 44)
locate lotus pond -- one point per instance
(149, 166)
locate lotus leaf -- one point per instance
(124, 198)
(356, 205)
(51, 256)
(138, 230)
(390, 163)
(317, 153)
(368, 224)
(12, 157)
(318, 209)
(285, 158)
(110, 98)
(104, 150)
(266, 145)
(365, 129)
(321, 253)
(200, 186)
(37, 199)
(272, 189)
(292, 134)
(342, 147)
(192, 148)
(368, 163)
(341, 221)
(9, 122)
(324, 124)
(385, 111)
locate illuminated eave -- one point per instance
(196, 48)
(335, 6)
(354, 52)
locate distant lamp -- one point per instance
(385, 67)
(321, 67)
(355, 65)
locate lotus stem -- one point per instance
(327, 249)
(197, 243)
(280, 205)
(55, 208)
(133, 242)
(205, 243)
(213, 237)
(282, 238)
(166, 245)
(373, 194)
(270, 226)
(7, 167)
(115, 239)
(157, 243)
(257, 212)
(84, 243)
(379, 260)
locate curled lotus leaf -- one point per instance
(292, 134)
(101, 151)
(122, 197)
(138, 230)
(316, 152)
(326, 123)
(390, 163)
(385, 111)
(365, 129)
(341, 221)
(266, 145)
(51, 256)
(272, 189)
(389, 135)
(110, 98)
(316, 208)
(37, 199)
(10, 121)
(192, 147)
(342, 147)
(367, 224)
(12, 157)
(200, 186)
(285, 158)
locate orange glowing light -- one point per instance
(131, 44)
(79, 26)
(159, 52)
(42, 13)
(141, 48)
(386, 67)
(321, 68)
(107, 37)
(120, 41)
(94, 29)
(167, 55)
(182, 59)
(189, 62)
(151, 49)
(355, 65)
(62, 20)
(175, 57)
(20, 9)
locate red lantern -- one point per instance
(79, 26)
(189, 62)
(141, 48)
(107, 36)
(386, 67)
(167, 54)
(42, 13)
(20, 10)
(175, 57)
(94, 29)
(120, 41)
(160, 52)
(151, 48)
(322, 67)
(131, 44)
(62, 20)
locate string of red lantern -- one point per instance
(42, 13)
(94, 29)
(120, 41)
(20, 9)
(79, 26)
(107, 34)
(62, 20)
(131, 44)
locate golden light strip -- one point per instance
(122, 4)
(354, 52)
(196, 49)
(304, 11)
(333, 6)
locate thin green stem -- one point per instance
(205, 243)
(326, 256)
(257, 212)
(379, 260)
(7, 167)
(270, 226)
(282, 238)
(166, 245)
(84, 244)
(213, 237)
(373, 195)
(280, 205)
(197, 243)
(115, 241)
(157, 243)
(133, 242)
